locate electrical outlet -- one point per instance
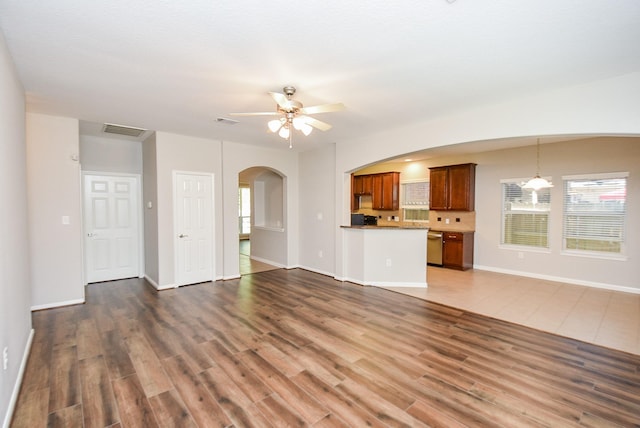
(520, 255)
(389, 263)
(5, 358)
(446, 220)
(320, 254)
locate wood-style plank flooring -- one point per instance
(294, 348)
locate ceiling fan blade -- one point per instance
(281, 100)
(323, 126)
(260, 113)
(324, 108)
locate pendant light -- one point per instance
(537, 182)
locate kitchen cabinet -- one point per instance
(385, 194)
(362, 184)
(457, 250)
(384, 189)
(452, 188)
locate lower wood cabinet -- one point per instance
(457, 250)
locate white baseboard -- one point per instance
(157, 286)
(574, 281)
(310, 269)
(385, 284)
(57, 305)
(18, 384)
(269, 262)
(226, 278)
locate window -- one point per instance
(525, 215)
(415, 201)
(244, 210)
(594, 213)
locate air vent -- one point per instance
(129, 131)
(226, 120)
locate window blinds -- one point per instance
(594, 213)
(525, 215)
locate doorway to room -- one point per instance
(260, 220)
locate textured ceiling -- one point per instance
(176, 66)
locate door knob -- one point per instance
(91, 235)
(183, 236)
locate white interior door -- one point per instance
(193, 228)
(111, 226)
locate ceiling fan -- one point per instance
(293, 115)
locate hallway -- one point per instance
(248, 266)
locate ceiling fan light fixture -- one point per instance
(274, 125)
(306, 129)
(284, 132)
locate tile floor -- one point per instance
(603, 317)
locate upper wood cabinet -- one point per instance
(384, 189)
(362, 184)
(452, 187)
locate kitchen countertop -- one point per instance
(386, 227)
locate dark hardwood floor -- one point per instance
(294, 348)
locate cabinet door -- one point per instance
(377, 198)
(453, 250)
(461, 187)
(367, 184)
(356, 185)
(438, 188)
(391, 191)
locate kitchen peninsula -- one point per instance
(385, 256)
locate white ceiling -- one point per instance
(176, 66)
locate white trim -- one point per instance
(16, 387)
(524, 248)
(269, 262)
(573, 281)
(384, 284)
(595, 255)
(597, 176)
(151, 281)
(310, 269)
(58, 304)
(227, 278)
(159, 287)
(271, 229)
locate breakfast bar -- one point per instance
(385, 256)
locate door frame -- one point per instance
(140, 219)
(174, 178)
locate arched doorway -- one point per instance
(261, 220)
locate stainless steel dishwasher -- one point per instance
(434, 248)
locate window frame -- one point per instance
(622, 255)
(420, 209)
(503, 218)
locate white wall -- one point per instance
(237, 158)
(610, 106)
(182, 153)
(110, 155)
(15, 293)
(591, 156)
(53, 192)
(317, 199)
(150, 196)
(268, 234)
